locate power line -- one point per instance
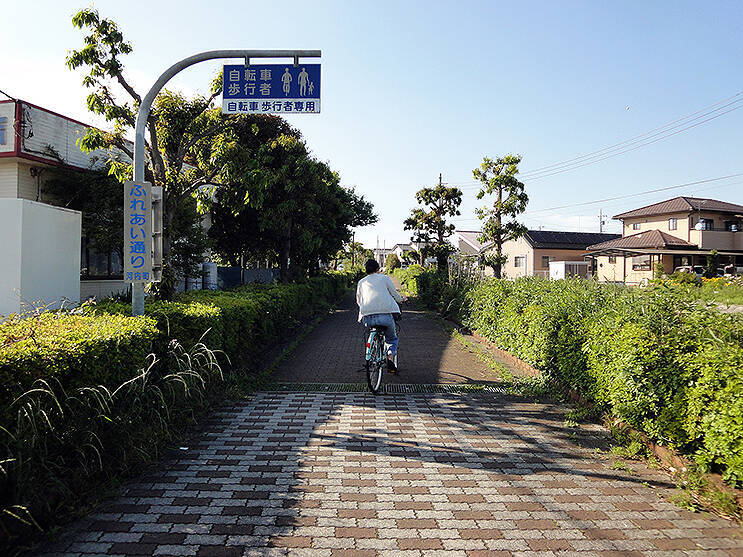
(633, 148)
(651, 133)
(627, 196)
(636, 142)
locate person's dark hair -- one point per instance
(372, 266)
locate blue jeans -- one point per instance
(386, 321)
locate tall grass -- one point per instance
(60, 446)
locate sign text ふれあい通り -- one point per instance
(271, 88)
(137, 232)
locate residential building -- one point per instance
(678, 232)
(467, 242)
(531, 254)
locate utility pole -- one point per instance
(601, 220)
(353, 249)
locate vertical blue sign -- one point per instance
(271, 88)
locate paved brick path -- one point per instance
(333, 353)
(350, 474)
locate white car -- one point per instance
(697, 270)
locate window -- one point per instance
(546, 261)
(641, 263)
(732, 225)
(672, 224)
(707, 224)
(519, 261)
(636, 226)
(3, 130)
(612, 259)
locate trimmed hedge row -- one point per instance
(76, 350)
(83, 403)
(654, 358)
(105, 346)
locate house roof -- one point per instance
(552, 239)
(682, 204)
(471, 237)
(652, 239)
(403, 247)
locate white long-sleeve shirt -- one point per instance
(377, 294)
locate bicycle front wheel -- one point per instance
(375, 364)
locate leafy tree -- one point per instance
(304, 216)
(353, 255)
(184, 146)
(499, 177)
(236, 232)
(429, 222)
(392, 262)
(99, 197)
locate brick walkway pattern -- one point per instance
(327, 474)
(334, 353)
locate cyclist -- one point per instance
(378, 302)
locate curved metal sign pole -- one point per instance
(144, 113)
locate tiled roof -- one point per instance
(682, 204)
(549, 239)
(471, 237)
(652, 239)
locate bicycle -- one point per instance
(376, 356)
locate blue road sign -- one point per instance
(271, 88)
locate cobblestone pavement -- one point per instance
(411, 475)
(351, 474)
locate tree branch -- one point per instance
(128, 88)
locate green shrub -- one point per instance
(78, 409)
(657, 358)
(409, 277)
(75, 350)
(391, 263)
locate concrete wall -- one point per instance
(100, 289)
(40, 252)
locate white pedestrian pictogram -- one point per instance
(286, 79)
(304, 79)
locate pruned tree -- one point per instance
(429, 224)
(392, 262)
(498, 177)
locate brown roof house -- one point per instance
(677, 232)
(531, 254)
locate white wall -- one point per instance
(10, 256)
(40, 256)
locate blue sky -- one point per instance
(411, 89)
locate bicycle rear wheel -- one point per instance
(375, 364)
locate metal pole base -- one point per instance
(137, 299)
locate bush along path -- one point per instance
(655, 358)
(404, 474)
(83, 404)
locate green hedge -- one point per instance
(408, 277)
(656, 358)
(83, 403)
(75, 350)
